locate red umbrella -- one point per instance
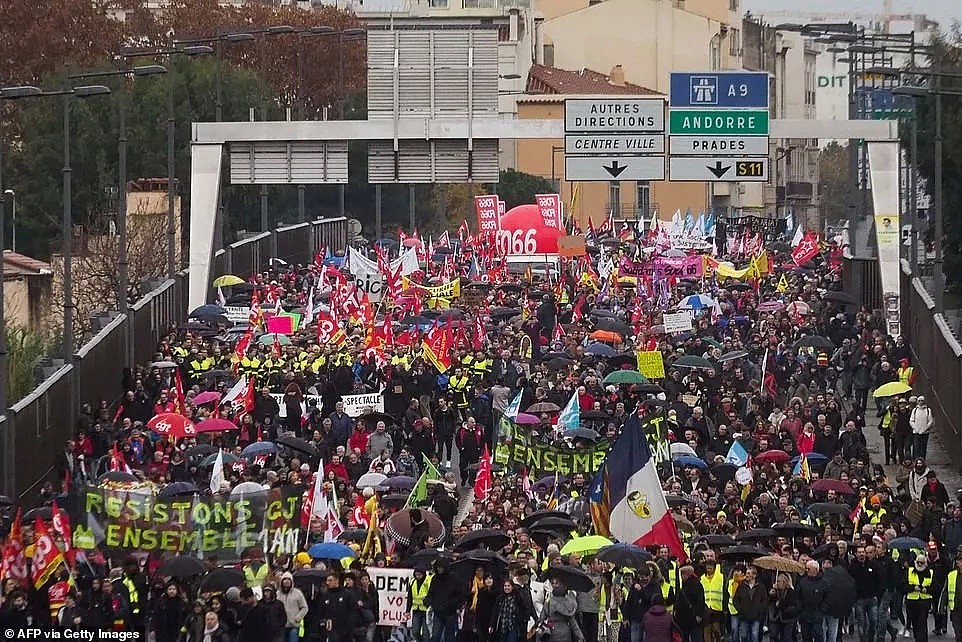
(206, 397)
(839, 486)
(215, 425)
(170, 424)
(773, 456)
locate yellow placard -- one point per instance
(651, 363)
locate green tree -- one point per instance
(949, 52)
(834, 188)
(518, 188)
(24, 348)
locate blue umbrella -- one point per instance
(907, 544)
(209, 310)
(696, 302)
(259, 448)
(600, 350)
(688, 460)
(812, 458)
(330, 551)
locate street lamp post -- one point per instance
(13, 219)
(122, 258)
(8, 441)
(190, 51)
(86, 91)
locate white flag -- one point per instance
(308, 310)
(217, 475)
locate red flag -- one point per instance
(14, 563)
(328, 331)
(117, 460)
(179, 400)
(477, 342)
(240, 350)
(255, 318)
(806, 250)
(483, 482)
(61, 525)
(438, 346)
(276, 348)
(47, 558)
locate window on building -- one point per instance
(734, 42)
(614, 198)
(643, 198)
(438, 4)
(733, 5)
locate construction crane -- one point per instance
(884, 19)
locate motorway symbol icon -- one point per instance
(615, 169)
(704, 90)
(718, 170)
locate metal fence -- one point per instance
(937, 360)
(35, 429)
(861, 278)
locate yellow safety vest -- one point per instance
(905, 375)
(666, 595)
(731, 597)
(615, 614)
(418, 593)
(875, 517)
(714, 590)
(919, 588)
(132, 595)
(952, 583)
(255, 578)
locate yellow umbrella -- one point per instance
(891, 389)
(587, 544)
(226, 280)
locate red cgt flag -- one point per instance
(438, 346)
(47, 558)
(14, 563)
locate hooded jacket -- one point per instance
(295, 605)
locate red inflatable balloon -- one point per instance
(523, 232)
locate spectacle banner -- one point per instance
(126, 521)
(518, 446)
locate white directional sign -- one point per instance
(714, 145)
(607, 115)
(614, 144)
(614, 168)
(715, 169)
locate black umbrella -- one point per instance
(794, 529)
(182, 566)
(374, 417)
(594, 415)
(840, 297)
(550, 517)
(199, 451)
(622, 360)
(612, 325)
(731, 356)
(717, 540)
(425, 557)
(117, 476)
(755, 535)
(842, 591)
(678, 500)
(504, 313)
(649, 388)
(621, 554)
(6, 501)
(813, 341)
(353, 535)
(574, 579)
(601, 312)
(489, 537)
(830, 508)
(177, 489)
(394, 500)
(559, 364)
(583, 433)
(221, 579)
(43, 512)
(724, 472)
(741, 552)
(297, 444)
(483, 556)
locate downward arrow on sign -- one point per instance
(718, 170)
(615, 169)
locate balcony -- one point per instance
(621, 213)
(799, 190)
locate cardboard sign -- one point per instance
(357, 405)
(391, 585)
(237, 314)
(651, 363)
(571, 246)
(677, 322)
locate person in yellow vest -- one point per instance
(255, 573)
(132, 587)
(611, 595)
(736, 578)
(918, 597)
(417, 592)
(954, 603)
(874, 513)
(906, 373)
(713, 581)
(458, 385)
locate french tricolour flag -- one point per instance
(627, 502)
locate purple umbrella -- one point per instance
(524, 419)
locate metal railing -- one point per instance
(937, 359)
(34, 431)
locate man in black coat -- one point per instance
(690, 605)
(447, 595)
(812, 590)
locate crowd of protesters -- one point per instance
(825, 541)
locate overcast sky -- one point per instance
(944, 11)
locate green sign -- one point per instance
(744, 122)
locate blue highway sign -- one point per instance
(716, 89)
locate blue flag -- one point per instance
(737, 454)
(511, 412)
(570, 416)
